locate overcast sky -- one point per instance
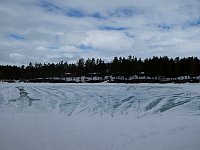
(66, 30)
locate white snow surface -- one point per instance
(99, 116)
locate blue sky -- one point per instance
(66, 30)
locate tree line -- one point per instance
(120, 66)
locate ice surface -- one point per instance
(99, 116)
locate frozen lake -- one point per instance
(99, 116)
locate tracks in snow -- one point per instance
(103, 99)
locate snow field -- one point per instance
(99, 116)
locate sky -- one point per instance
(67, 30)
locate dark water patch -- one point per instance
(153, 104)
(171, 104)
(23, 97)
(119, 103)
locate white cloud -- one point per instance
(108, 40)
(16, 57)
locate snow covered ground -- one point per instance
(99, 116)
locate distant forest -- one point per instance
(130, 68)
